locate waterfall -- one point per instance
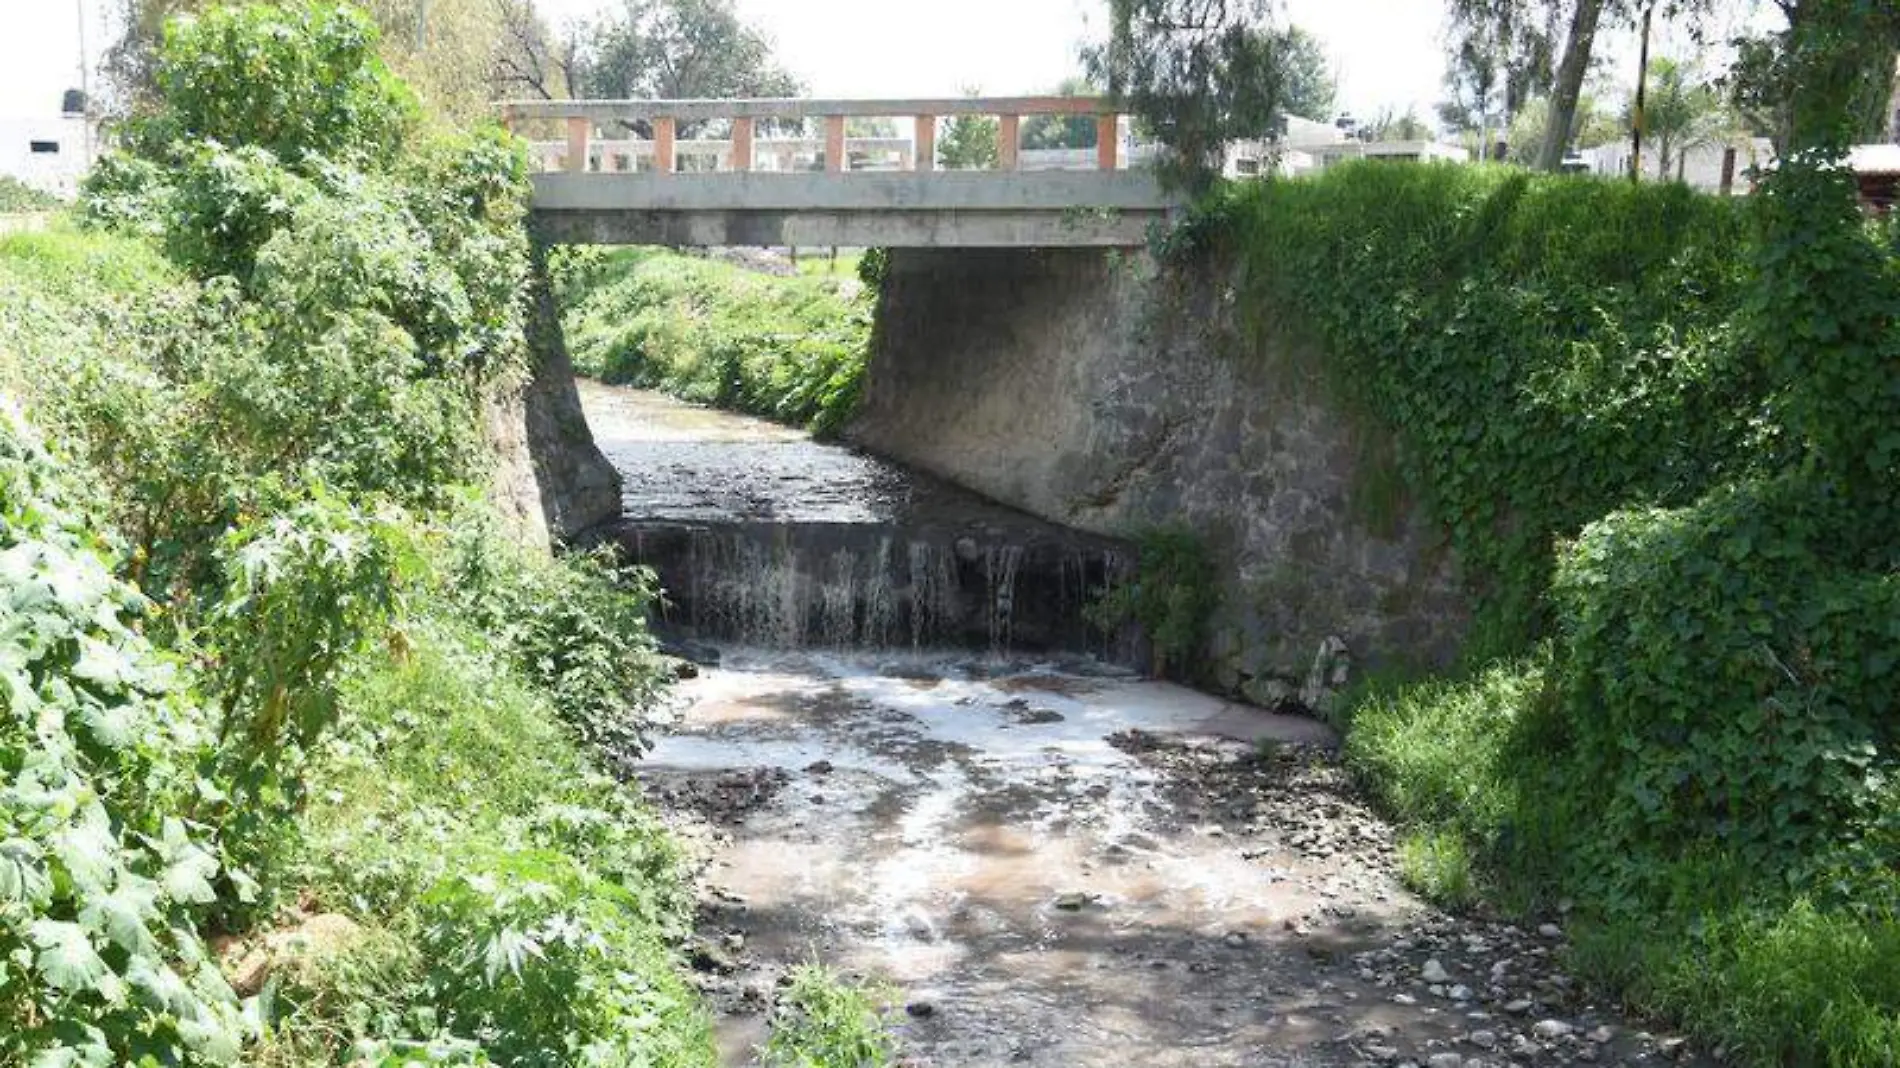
(844, 586)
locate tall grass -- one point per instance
(787, 348)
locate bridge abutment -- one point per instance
(1099, 391)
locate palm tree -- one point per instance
(1680, 114)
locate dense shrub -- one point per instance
(1729, 696)
(300, 81)
(1171, 595)
(788, 348)
(823, 1022)
(449, 768)
(577, 628)
(550, 965)
(16, 195)
(102, 874)
(268, 395)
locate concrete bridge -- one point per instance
(617, 172)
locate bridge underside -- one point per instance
(897, 210)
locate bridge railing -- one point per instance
(623, 136)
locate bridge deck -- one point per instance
(789, 189)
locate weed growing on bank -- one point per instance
(16, 196)
(712, 332)
(823, 1022)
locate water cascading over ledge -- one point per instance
(799, 585)
(761, 536)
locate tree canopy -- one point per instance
(1311, 85)
(674, 49)
(1200, 73)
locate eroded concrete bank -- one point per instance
(551, 480)
(1097, 391)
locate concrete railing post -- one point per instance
(1108, 142)
(742, 144)
(1008, 138)
(578, 131)
(926, 143)
(663, 146)
(835, 161)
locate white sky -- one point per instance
(1389, 53)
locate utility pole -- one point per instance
(85, 90)
(1642, 86)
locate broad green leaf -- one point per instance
(88, 850)
(66, 957)
(23, 875)
(122, 914)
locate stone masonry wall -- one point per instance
(1092, 390)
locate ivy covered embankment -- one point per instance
(787, 347)
(1661, 432)
(303, 759)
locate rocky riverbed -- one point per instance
(1063, 864)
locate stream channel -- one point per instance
(916, 763)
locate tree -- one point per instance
(1679, 114)
(1062, 131)
(1766, 81)
(1312, 86)
(529, 61)
(1199, 73)
(1568, 88)
(1501, 55)
(449, 51)
(1596, 124)
(676, 49)
(1893, 104)
(464, 55)
(1390, 126)
(131, 64)
(968, 142)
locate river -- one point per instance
(1043, 857)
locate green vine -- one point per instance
(1547, 349)
(1171, 596)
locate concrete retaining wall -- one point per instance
(550, 479)
(1086, 388)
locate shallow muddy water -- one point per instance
(978, 833)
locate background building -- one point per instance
(50, 150)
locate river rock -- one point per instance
(1434, 972)
(1551, 1030)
